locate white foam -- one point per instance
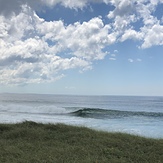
(20, 108)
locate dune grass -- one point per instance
(31, 142)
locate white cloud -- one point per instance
(87, 40)
(127, 13)
(34, 50)
(130, 60)
(122, 8)
(115, 51)
(131, 34)
(153, 36)
(8, 7)
(26, 55)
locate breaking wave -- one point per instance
(103, 113)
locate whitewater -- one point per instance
(138, 115)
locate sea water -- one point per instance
(138, 115)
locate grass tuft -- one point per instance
(40, 143)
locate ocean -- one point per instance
(138, 115)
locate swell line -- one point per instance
(103, 113)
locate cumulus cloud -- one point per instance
(122, 8)
(34, 50)
(8, 7)
(127, 13)
(131, 34)
(153, 36)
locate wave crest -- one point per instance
(103, 113)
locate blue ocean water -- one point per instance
(137, 115)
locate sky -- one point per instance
(81, 47)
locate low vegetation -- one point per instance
(31, 142)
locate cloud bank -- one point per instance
(35, 51)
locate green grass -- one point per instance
(31, 142)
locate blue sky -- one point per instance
(105, 47)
